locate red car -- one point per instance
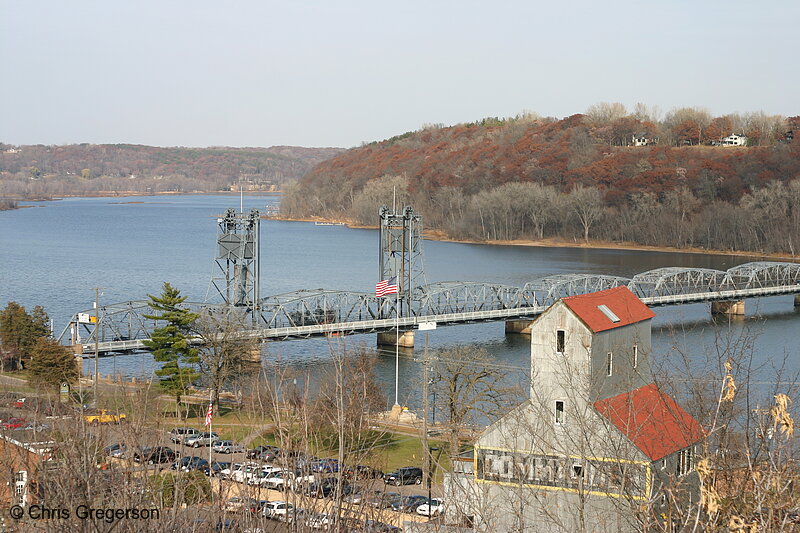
(13, 423)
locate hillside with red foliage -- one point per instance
(492, 165)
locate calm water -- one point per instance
(54, 253)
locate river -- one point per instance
(54, 254)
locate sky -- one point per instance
(339, 73)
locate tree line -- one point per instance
(42, 171)
(534, 178)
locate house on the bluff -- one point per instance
(597, 444)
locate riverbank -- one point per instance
(438, 235)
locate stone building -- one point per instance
(597, 442)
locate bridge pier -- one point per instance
(797, 300)
(522, 327)
(728, 307)
(253, 355)
(390, 338)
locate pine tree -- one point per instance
(19, 331)
(51, 364)
(170, 343)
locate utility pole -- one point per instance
(96, 339)
(426, 464)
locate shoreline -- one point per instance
(440, 236)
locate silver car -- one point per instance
(201, 439)
(227, 446)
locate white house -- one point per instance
(734, 140)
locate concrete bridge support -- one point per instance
(389, 338)
(253, 355)
(729, 307)
(522, 327)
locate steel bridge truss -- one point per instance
(305, 313)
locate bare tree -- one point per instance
(588, 205)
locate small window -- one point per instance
(609, 363)
(685, 461)
(635, 355)
(559, 412)
(561, 341)
(577, 471)
(664, 463)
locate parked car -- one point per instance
(178, 435)
(104, 416)
(240, 472)
(260, 476)
(185, 464)
(226, 446)
(432, 507)
(234, 505)
(409, 504)
(294, 515)
(19, 403)
(218, 467)
(277, 509)
(276, 480)
(374, 526)
(201, 439)
(325, 466)
(404, 476)
(118, 449)
(13, 423)
(320, 521)
(256, 506)
(155, 455)
(255, 452)
(301, 479)
(356, 494)
(33, 426)
(326, 487)
(359, 472)
(382, 500)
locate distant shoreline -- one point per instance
(438, 235)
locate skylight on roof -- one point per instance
(609, 313)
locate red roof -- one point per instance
(652, 421)
(620, 301)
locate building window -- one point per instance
(635, 355)
(559, 412)
(561, 341)
(609, 363)
(685, 461)
(577, 471)
(20, 487)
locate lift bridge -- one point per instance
(121, 327)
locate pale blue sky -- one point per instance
(261, 73)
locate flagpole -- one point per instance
(397, 348)
(210, 445)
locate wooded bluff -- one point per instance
(579, 178)
(37, 171)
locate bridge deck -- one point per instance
(412, 322)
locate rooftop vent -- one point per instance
(609, 313)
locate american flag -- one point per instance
(208, 414)
(386, 286)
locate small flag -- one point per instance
(386, 286)
(208, 414)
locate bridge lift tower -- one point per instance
(238, 280)
(400, 255)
